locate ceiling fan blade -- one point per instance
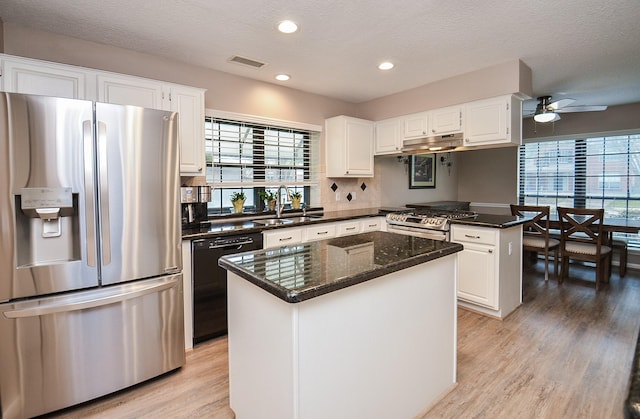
(586, 108)
(558, 104)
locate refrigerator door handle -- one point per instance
(90, 301)
(89, 201)
(104, 193)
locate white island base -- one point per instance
(385, 348)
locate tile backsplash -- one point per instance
(344, 193)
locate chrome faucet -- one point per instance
(279, 204)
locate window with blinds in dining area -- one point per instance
(598, 172)
(252, 157)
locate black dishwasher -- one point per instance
(210, 282)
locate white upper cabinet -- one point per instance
(127, 90)
(187, 101)
(35, 77)
(446, 120)
(29, 76)
(388, 136)
(349, 147)
(493, 121)
(416, 125)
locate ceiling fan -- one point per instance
(548, 111)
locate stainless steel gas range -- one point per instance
(429, 223)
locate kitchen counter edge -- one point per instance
(492, 221)
(296, 296)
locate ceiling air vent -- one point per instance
(247, 61)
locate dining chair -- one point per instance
(582, 238)
(535, 234)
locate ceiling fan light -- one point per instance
(545, 117)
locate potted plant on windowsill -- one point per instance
(237, 199)
(270, 198)
(295, 200)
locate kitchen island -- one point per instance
(357, 326)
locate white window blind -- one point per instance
(599, 172)
(251, 157)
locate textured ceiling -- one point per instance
(585, 49)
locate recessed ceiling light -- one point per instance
(283, 77)
(387, 65)
(287, 26)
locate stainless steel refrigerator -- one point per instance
(90, 256)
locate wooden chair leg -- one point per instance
(546, 265)
(623, 261)
(564, 270)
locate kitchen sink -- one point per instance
(301, 219)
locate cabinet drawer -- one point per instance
(319, 232)
(371, 224)
(348, 228)
(284, 237)
(474, 235)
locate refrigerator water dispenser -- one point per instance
(48, 221)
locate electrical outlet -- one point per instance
(337, 196)
(353, 196)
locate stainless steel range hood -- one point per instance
(432, 144)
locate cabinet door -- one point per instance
(359, 144)
(189, 103)
(42, 78)
(130, 91)
(477, 280)
(486, 121)
(348, 147)
(446, 120)
(387, 137)
(416, 125)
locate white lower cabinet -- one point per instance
(282, 237)
(489, 268)
(477, 280)
(295, 235)
(373, 224)
(320, 232)
(347, 228)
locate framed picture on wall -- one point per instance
(422, 171)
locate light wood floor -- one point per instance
(565, 353)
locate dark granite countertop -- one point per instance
(492, 220)
(300, 272)
(246, 225)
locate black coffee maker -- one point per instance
(194, 205)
